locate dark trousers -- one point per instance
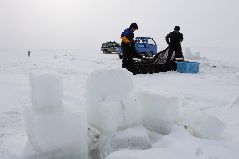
(129, 52)
(129, 64)
(177, 49)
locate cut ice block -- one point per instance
(104, 83)
(46, 91)
(50, 131)
(109, 115)
(159, 111)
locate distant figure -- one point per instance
(174, 40)
(128, 47)
(29, 53)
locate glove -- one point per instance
(124, 39)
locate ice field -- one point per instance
(68, 103)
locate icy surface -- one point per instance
(213, 91)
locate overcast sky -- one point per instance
(84, 24)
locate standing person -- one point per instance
(174, 40)
(28, 53)
(128, 47)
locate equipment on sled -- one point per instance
(161, 62)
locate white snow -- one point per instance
(179, 144)
(203, 125)
(135, 138)
(235, 103)
(211, 96)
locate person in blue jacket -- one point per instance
(128, 47)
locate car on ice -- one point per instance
(145, 46)
(110, 47)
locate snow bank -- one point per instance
(109, 97)
(132, 139)
(159, 111)
(46, 91)
(203, 125)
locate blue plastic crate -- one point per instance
(187, 67)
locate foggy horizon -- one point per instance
(86, 24)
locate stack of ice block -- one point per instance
(52, 131)
(114, 111)
(111, 105)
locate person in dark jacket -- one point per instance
(174, 40)
(28, 53)
(128, 47)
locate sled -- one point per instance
(161, 62)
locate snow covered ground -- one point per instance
(214, 91)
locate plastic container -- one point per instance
(187, 67)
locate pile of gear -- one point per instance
(161, 62)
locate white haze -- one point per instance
(85, 24)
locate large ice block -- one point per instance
(111, 105)
(66, 153)
(46, 91)
(113, 114)
(51, 131)
(159, 111)
(104, 83)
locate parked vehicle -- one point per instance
(110, 47)
(145, 46)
